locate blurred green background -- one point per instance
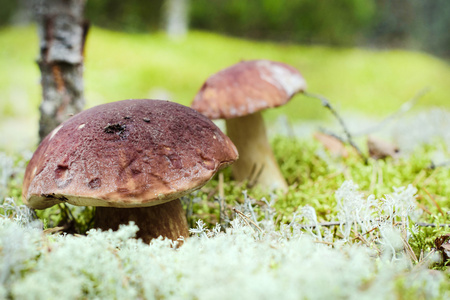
(365, 56)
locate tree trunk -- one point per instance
(62, 33)
(176, 17)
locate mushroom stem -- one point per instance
(168, 220)
(256, 160)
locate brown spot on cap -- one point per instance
(115, 128)
(95, 183)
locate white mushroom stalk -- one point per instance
(256, 162)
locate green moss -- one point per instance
(314, 180)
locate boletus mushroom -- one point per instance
(132, 159)
(238, 94)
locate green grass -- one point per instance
(122, 66)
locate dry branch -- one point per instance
(326, 103)
(402, 110)
(330, 224)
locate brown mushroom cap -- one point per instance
(131, 153)
(247, 87)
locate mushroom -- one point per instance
(132, 159)
(238, 94)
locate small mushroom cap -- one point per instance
(130, 153)
(248, 87)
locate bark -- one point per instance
(256, 161)
(62, 33)
(167, 220)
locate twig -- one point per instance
(221, 200)
(331, 224)
(245, 219)
(421, 224)
(54, 229)
(403, 109)
(70, 212)
(370, 230)
(406, 246)
(409, 250)
(212, 193)
(424, 260)
(429, 178)
(221, 191)
(323, 242)
(254, 175)
(423, 207)
(326, 103)
(365, 242)
(252, 172)
(434, 201)
(325, 224)
(419, 177)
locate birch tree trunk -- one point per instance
(176, 18)
(62, 33)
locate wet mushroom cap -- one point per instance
(247, 87)
(131, 153)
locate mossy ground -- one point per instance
(313, 177)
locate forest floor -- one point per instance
(359, 228)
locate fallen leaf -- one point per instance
(379, 149)
(332, 144)
(443, 245)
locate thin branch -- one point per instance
(325, 243)
(331, 224)
(425, 259)
(245, 219)
(70, 212)
(433, 200)
(326, 103)
(409, 250)
(220, 186)
(421, 224)
(254, 175)
(402, 110)
(370, 230)
(54, 229)
(364, 241)
(325, 224)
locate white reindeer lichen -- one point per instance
(234, 263)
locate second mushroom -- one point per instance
(238, 94)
